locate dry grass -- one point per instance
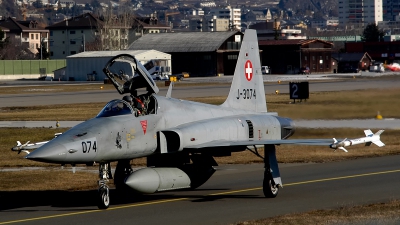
(9, 136)
(358, 104)
(381, 213)
(49, 179)
(81, 111)
(340, 105)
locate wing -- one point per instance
(221, 143)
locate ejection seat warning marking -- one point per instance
(248, 70)
(246, 93)
(144, 125)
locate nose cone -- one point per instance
(51, 152)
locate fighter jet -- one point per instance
(179, 138)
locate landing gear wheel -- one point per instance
(103, 201)
(104, 198)
(270, 189)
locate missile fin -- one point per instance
(379, 143)
(342, 148)
(379, 133)
(368, 133)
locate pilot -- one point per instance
(123, 75)
(128, 99)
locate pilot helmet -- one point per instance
(128, 99)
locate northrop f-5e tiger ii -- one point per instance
(179, 138)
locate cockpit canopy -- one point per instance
(127, 74)
(116, 108)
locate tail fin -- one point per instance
(247, 89)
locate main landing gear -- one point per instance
(104, 190)
(272, 178)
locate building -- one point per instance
(288, 56)
(359, 13)
(209, 24)
(233, 14)
(324, 23)
(86, 32)
(386, 52)
(28, 33)
(273, 30)
(198, 53)
(391, 9)
(147, 25)
(258, 15)
(352, 62)
(89, 65)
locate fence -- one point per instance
(27, 67)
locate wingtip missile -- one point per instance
(20, 147)
(367, 140)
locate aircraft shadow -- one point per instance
(71, 200)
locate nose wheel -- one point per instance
(104, 192)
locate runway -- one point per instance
(232, 195)
(32, 99)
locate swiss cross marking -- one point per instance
(248, 70)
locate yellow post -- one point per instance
(379, 116)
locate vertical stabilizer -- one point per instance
(247, 89)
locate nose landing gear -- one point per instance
(104, 191)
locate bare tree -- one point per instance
(13, 50)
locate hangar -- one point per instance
(198, 53)
(86, 66)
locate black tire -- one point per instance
(104, 198)
(181, 78)
(269, 190)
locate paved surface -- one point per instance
(316, 84)
(233, 194)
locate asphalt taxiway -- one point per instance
(30, 98)
(232, 195)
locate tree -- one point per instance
(2, 33)
(9, 8)
(42, 53)
(13, 50)
(371, 33)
